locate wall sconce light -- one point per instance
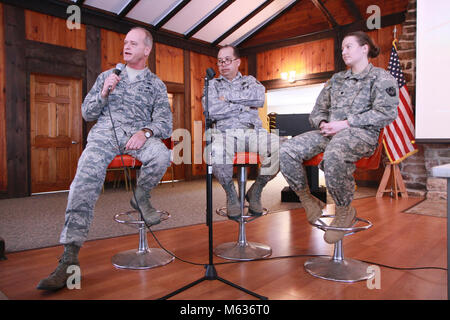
(288, 76)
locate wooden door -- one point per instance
(56, 131)
(176, 101)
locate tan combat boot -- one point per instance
(233, 205)
(344, 219)
(253, 196)
(311, 204)
(58, 278)
(151, 215)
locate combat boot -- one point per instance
(253, 196)
(344, 219)
(233, 205)
(151, 215)
(311, 204)
(58, 278)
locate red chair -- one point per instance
(128, 163)
(368, 163)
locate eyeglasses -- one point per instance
(225, 62)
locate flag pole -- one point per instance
(392, 180)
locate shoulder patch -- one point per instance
(391, 91)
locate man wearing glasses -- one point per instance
(233, 102)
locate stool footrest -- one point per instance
(246, 217)
(143, 257)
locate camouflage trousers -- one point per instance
(340, 154)
(91, 171)
(227, 142)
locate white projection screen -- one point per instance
(433, 71)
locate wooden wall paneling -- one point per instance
(44, 28)
(16, 107)
(252, 64)
(243, 67)
(3, 156)
(387, 7)
(383, 38)
(198, 65)
(93, 68)
(169, 63)
(329, 56)
(308, 58)
(187, 107)
(112, 48)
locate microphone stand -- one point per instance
(211, 273)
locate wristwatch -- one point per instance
(147, 133)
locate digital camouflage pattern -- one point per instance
(233, 106)
(242, 98)
(134, 105)
(368, 101)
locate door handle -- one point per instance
(74, 142)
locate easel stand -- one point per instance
(392, 182)
(210, 273)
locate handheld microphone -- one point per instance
(118, 70)
(210, 73)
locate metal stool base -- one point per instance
(346, 270)
(150, 258)
(246, 252)
(143, 257)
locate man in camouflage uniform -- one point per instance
(233, 102)
(139, 106)
(349, 113)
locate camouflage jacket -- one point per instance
(368, 101)
(135, 105)
(242, 98)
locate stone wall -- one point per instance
(416, 169)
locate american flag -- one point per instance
(399, 135)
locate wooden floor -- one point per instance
(396, 239)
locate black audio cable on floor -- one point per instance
(321, 255)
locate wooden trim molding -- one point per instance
(307, 79)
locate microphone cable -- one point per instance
(232, 262)
(121, 153)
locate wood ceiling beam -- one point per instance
(354, 10)
(208, 19)
(171, 14)
(109, 21)
(386, 21)
(319, 5)
(268, 22)
(243, 21)
(128, 8)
